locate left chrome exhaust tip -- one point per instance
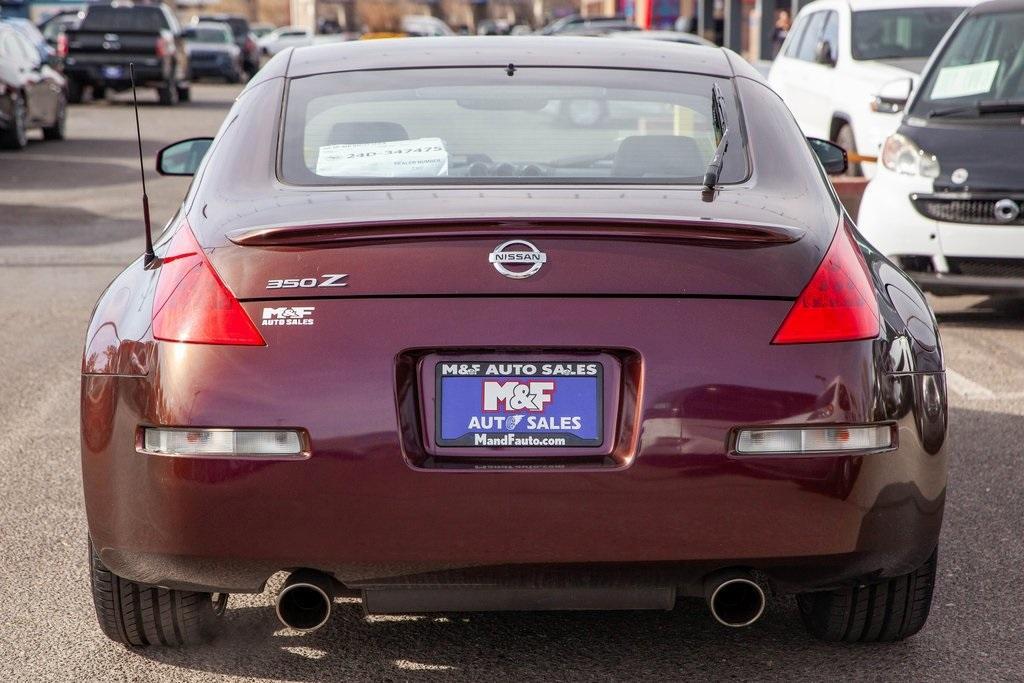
(305, 600)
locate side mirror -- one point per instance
(823, 53)
(832, 156)
(893, 96)
(183, 157)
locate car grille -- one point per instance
(967, 209)
(986, 267)
(205, 57)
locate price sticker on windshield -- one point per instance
(961, 81)
(420, 158)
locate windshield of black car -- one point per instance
(115, 19)
(900, 33)
(200, 34)
(982, 62)
(503, 124)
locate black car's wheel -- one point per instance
(880, 612)
(168, 94)
(845, 139)
(15, 135)
(184, 93)
(75, 91)
(99, 92)
(55, 131)
(139, 615)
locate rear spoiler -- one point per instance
(705, 231)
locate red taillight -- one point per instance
(62, 45)
(249, 45)
(838, 304)
(162, 47)
(192, 304)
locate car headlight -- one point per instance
(902, 155)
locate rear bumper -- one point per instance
(365, 510)
(92, 73)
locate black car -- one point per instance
(32, 94)
(112, 37)
(243, 38)
(947, 201)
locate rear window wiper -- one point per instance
(979, 108)
(714, 169)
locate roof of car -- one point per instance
(994, 6)
(864, 5)
(398, 53)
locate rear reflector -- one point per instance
(813, 440)
(838, 304)
(223, 442)
(192, 304)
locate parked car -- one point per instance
(283, 38)
(60, 22)
(947, 203)
(575, 24)
(412, 338)
(423, 26)
(259, 30)
(47, 53)
(668, 36)
(840, 53)
(244, 38)
(212, 52)
(113, 36)
(32, 93)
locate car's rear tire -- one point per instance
(168, 94)
(881, 612)
(99, 92)
(139, 615)
(55, 131)
(75, 91)
(15, 136)
(184, 93)
(845, 139)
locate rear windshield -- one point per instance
(900, 33)
(482, 125)
(124, 19)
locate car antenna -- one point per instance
(150, 256)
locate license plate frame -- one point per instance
(598, 440)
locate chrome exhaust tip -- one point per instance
(305, 600)
(736, 601)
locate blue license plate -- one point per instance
(486, 404)
(113, 72)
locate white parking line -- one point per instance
(967, 387)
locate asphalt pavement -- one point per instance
(70, 219)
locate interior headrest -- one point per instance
(364, 132)
(669, 156)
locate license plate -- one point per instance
(113, 72)
(509, 404)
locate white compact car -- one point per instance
(284, 38)
(842, 54)
(947, 202)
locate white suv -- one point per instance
(839, 55)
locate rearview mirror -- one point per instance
(893, 96)
(832, 156)
(183, 157)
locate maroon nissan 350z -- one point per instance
(511, 324)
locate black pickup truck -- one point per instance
(113, 36)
